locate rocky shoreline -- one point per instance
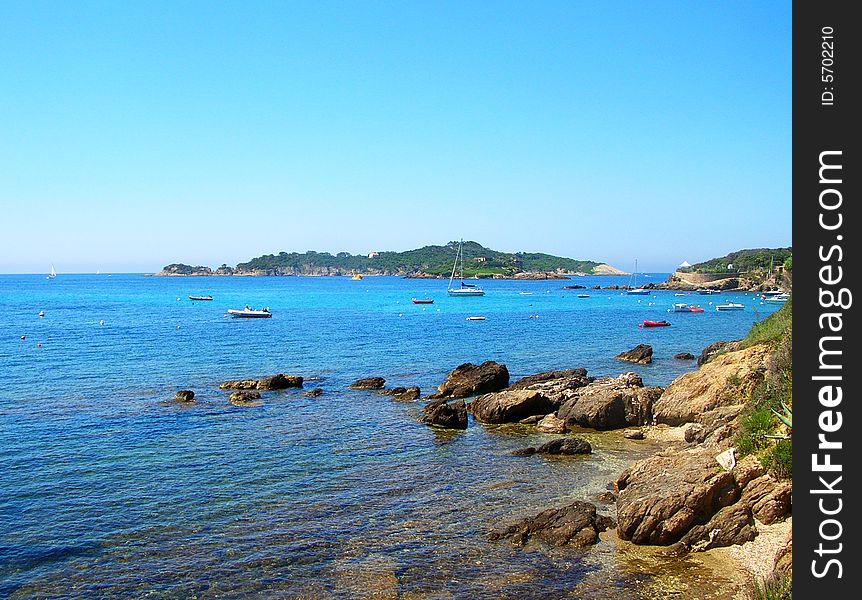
(692, 495)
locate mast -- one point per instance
(454, 266)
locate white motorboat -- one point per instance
(730, 306)
(250, 313)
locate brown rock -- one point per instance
(610, 403)
(551, 424)
(634, 434)
(185, 396)
(546, 377)
(443, 414)
(469, 379)
(716, 349)
(769, 500)
(244, 397)
(730, 525)
(509, 406)
(314, 392)
(402, 393)
(368, 383)
(684, 356)
(662, 497)
(726, 380)
(566, 445)
(576, 525)
(640, 354)
(276, 382)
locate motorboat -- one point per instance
(476, 318)
(422, 300)
(654, 324)
(705, 292)
(357, 277)
(250, 313)
(682, 307)
(730, 306)
(202, 298)
(583, 295)
(776, 299)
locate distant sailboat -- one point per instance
(465, 289)
(53, 273)
(636, 291)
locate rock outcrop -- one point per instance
(551, 424)
(443, 414)
(640, 354)
(684, 356)
(715, 349)
(469, 380)
(510, 406)
(726, 380)
(610, 403)
(368, 383)
(552, 379)
(276, 382)
(185, 396)
(576, 525)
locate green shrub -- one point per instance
(779, 460)
(776, 587)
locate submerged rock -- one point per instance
(510, 406)
(443, 414)
(313, 392)
(640, 354)
(368, 383)
(551, 424)
(633, 434)
(185, 396)
(562, 446)
(469, 380)
(684, 356)
(576, 525)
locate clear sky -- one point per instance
(136, 134)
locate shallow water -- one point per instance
(111, 489)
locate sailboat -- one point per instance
(636, 291)
(465, 289)
(53, 273)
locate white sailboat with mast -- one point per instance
(636, 291)
(465, 289)
(53, 273)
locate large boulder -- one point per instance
(769, 500)
(662, 497)
(566, 445)
(730, 526)
(469, 380)
(640, 354)
(610, 403)
(551, 424)
(442, 414)
(726, 380)
(684, 356)
(576, 525)
(368, 383)
(510, 406)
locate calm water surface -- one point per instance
(108, 488)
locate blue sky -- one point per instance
(137, 134)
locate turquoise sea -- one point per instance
(108, 488)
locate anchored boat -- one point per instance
(250, 313)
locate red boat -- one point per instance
(654, 324)
(693, 308)
(422, 301)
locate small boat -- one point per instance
(583, 295)
(41, 313)
(250, 313)
(680, 307)
(465, 289)
(357, 277)
(654, 324)
(730, 306)
(777, 299)
(53, 273)
(679, 294)
(476, 318)
(526, 293)
(695, 309)
(422, 300)
(200, 297)
(633, 290)
(705, 292)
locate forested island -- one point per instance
(428, 261)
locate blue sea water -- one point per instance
(109, 488)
